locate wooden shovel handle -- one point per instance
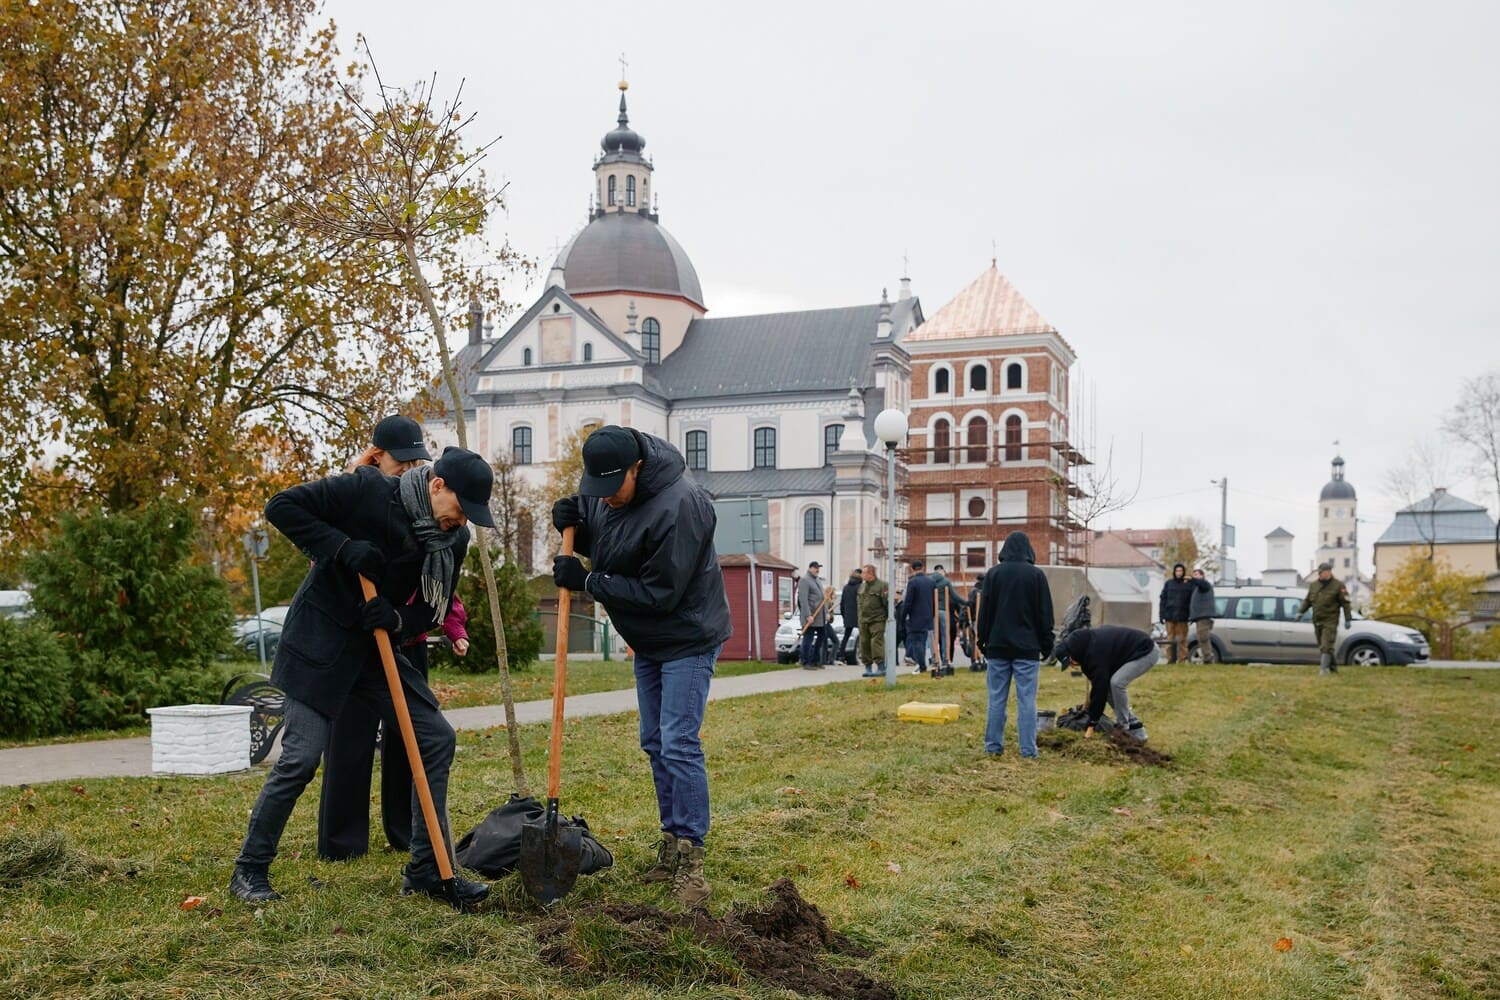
(409, 739)
(559, 677)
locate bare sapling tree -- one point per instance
(1474, 421)
(1415, 483)
(1100, 488)
(418, 195)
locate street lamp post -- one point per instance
(890, 427)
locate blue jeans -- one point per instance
(673, 695)
(812, 646)
(916, 646)
(998, 681)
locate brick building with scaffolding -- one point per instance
(988, 450)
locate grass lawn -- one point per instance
(1312, 838)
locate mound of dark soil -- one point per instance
(783, 943)
(1115, 743)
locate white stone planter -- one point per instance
(200, 739)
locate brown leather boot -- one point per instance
(688, 884)
(666, 860)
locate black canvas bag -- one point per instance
(493, 848)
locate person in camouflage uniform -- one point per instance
(874, 598)
(1326, 596)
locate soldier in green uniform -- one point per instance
(1326, 596)
(874, 598)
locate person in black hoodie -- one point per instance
(1111, 656)
(650, 534)
(849, 610)
(1015, 634)
(1176, 603)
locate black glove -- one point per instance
(363, 558)
(568, 571)
(567, 513)
(379, 612)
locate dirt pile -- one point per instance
(1116, 743)
(784, 944)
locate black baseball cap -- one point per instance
(471, 478)
(814, 565)
(401, 438)
(608, 454)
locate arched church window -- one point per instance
(588, 352)
(1013, 375)
(630, 191)
(978, 439)
(812, 526)
(765, 447)
(526, 356)
(979, 378)
(942, 381)
(611, 189)
(697, 450)
(1012, 438)
(651, 340)
(942, 437)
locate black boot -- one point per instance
(252, 884)
(466, 894)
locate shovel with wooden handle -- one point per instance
(551, 853)
(414, 757)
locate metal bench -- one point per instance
(267, 710)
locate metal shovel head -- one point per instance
(551, 854)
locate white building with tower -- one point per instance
(1338, 534)
(1280, 571)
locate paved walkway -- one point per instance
(132, 757)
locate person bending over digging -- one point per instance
(1111, 656)
(406, 536)
(650, 533)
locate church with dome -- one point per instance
(774, 412)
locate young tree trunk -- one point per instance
(502, 654)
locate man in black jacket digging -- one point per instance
(402, 535)
(1015, 633)
(1111, 656)
(650, 534)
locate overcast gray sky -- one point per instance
(1262, 227)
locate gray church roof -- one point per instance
(766, 482)
(817, 350)
(629, 252)
(1440, 518)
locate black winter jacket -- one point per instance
(1102, 651)
(916, 606)
(1015, 616)
(654, 565)
(849, 602)
(1176, 600)
(322, 647)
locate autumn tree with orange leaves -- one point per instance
(168, 328)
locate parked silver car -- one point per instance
(789, 638)
(1261, 625)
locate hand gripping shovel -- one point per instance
(414, 758)
(550, 852)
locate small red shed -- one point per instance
(762, 598)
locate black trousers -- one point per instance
(344, 807)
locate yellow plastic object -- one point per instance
(921, 711)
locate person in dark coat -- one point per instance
(1111, 657)
(649, 531)
(404, 536)
(1015, 632)
(916, 611)
(849, 611)
(1201, 611)
(944, 596)
(1176, 602)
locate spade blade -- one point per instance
(551, 854)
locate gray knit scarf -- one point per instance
(437, 564)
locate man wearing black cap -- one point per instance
(407, 536)
(396, 445)
(650, 533)
(812, 612)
